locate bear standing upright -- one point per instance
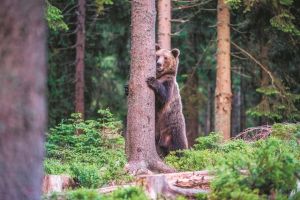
(170, 132)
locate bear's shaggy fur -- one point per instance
(169, 119)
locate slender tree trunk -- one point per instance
(140, 141)
(265, 79)
(243, 103)
(164, 23)
(209, 110)
(22, 98)
(191, 108)
(223, 83)
(236, 112)
(80, 48)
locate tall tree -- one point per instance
(80, 48)
(223, 78)
(22, 98)
(141, 101)
(164, 23)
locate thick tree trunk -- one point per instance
(22, 98)
(164, 23)
(140, 141)
(223, 83)
(80, 48)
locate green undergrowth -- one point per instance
(247, 170)
(131, 193)
(91, 151)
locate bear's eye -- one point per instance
(165, 57)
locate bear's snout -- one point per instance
(159, 67)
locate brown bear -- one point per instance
(169, 120)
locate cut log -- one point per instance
(170, 185)
(57, 183)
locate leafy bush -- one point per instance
(94, 157)
(272, 168)
(86, 175)
(212, 141)
(247, 170)
(131, 193)
(207, 152)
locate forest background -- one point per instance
(264, 60)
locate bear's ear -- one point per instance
(175, 52)
(157, 47)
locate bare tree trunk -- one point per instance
(243, 103)
(22, 98)
(191, 108)
(223, 83)
(209, 110)
(236, 112)
(265, 80)
(164, 23)
(140, 141)
(80, 48)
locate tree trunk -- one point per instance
(209, 110)
(236, 112)
(191, 108)
(223, 80)
(140, 141)
(80, 48)
(243, 102)
(22, 98)
(164, 23)
(265, 79)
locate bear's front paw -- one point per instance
(151, 81)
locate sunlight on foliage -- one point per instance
(94, 157)
(54, 18)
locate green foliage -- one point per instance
(211, 141)
(286, 131)
(246, 170)
(87, 175)
(100, 5)
(94, 157)
(276, 105)
(273, 167)
(207, 153)
(282, 19)
(131, 193)
(54, 18)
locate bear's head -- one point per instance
(166, 61)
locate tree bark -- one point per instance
(140, 141)
(236, 112)
(223, 83)
(209, 110)
(191, 108)
(265, 79)
(164, 23)
(22, 98)
(80, 48)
